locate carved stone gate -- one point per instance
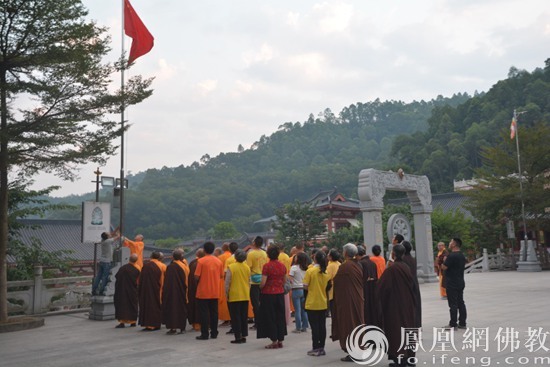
(372, 188)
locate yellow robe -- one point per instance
(223, 310)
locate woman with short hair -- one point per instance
(272, 323)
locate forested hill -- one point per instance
(293, 163)
(450, 147)
(441, 138)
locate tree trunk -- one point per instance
(3, 199)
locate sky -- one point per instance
(228, 72)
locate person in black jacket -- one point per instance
(454, 283)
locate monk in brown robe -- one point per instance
(398, 303)
(370, 289)
(349, 302)
(223, 310)
(174, 295)
(150, 293)
(411, 262)
(126, 293)
(193, 313)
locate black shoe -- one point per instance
(201, 337)
(214, 336)
(172, 332)
(243, 340)
(230, 332)
(133, 325)
(238, 341)
(462, 326)
(346, 359)
(120, 326)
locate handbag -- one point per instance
(256, 278)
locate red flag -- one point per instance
(142, 40)
(513, 128)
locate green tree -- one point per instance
(24, 202)
(342, 236)
(496, 198)
(446, 225)
(298, 223)
(224, 230)
(55, 97)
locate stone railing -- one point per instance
(41, 296)
(490, 262)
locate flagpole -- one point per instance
(123, 67)
(524, 254)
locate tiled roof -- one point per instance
(447, 202)
(56, 235)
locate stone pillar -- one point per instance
(424, 243)
(371, 194)
(372, 229)
(531, 263)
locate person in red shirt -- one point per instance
(209, 275)
(272, 322)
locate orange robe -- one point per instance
(135, 248)
(380, 264)
(223, 310)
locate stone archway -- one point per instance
(372, 188)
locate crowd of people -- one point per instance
(261, 287)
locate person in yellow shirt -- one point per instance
(256, 259)
(332, 268)
(316, 281)
(237, 289)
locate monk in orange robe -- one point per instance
(136, 247)
(223, 310)
(378, 260)
(440, 259)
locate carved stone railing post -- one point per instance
(37, 290)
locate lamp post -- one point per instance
(97, 172)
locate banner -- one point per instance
(96, 219)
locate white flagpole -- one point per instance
(121, 223)
(516, 115)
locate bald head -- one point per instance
(199, 253)
(156, 255)
(139, 238)
(133, 258)
(225, 246)
(177, 254)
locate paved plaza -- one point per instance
(512, 301)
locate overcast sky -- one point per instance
(228, 72)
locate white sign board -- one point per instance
(510, 229)
(96, 219)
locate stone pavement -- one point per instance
(512, 301)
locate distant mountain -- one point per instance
(294, 162)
